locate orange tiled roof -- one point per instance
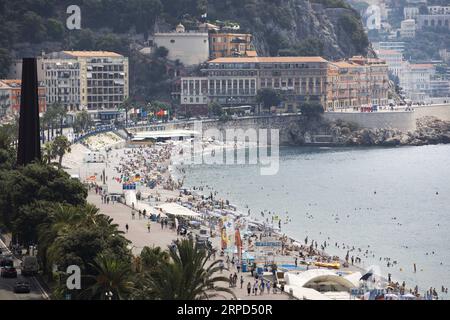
(268, 60)
(87, 54)
(421, 66)
(346, 64)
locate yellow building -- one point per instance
(230, 45)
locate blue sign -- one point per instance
(268, 244)
(129, 186)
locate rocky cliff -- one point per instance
(329, 28)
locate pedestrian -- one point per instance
(275, 288)
(242, 281)
(255, 288)
(107, 200)
(148, 226)
(132, 214)
(126, 227)
(268, 286)
(221, 266)
(249, 288)
(238, 267)
(231, 281)
(140, 214)
(162, 224)
(144, 213)
(235, 279)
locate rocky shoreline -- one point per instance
(430, 131)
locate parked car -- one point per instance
(22, 287)
(5, 262)
(8, 272)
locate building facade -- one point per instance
(394, 60)
(194, 94)
(230, 45)
(233, 82)
(92, 80)
(189, 47)
(10, 92)
(408, 28)
(433, 21)
(416, 81)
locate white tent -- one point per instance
(177, 210)
(149, 209)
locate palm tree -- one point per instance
(60, 146)
(48, 152)
(112, 280)
(126, 104)
(152, 258)
(61, 113)
(61, 222)
(186, 276)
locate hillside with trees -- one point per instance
(330, 28)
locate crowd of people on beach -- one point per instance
(149, 166)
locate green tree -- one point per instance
(215, 109)
(33, 27)
(311, 109)
(82, 121)
(187, 276)
(153, 258)
(48, 153)
(60, 146)
(55, 29)
(126, 105)
(112, 279)
(268, 98)
(161, 52)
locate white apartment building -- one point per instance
(438, 10)
(194, 91)
(394, 60)
(190, 48)
(93, 80)
(408, 28)
(416, 81)
(410, 12)
(440, 87)
(389, 45)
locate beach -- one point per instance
(158, 173)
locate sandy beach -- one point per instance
(158, 174)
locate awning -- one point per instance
(177, 210)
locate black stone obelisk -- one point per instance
(29, 149)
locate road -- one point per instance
(7, 284)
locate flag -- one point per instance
(224, 239)
(230, 229)
(238, 241)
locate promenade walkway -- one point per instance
(140, 237)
